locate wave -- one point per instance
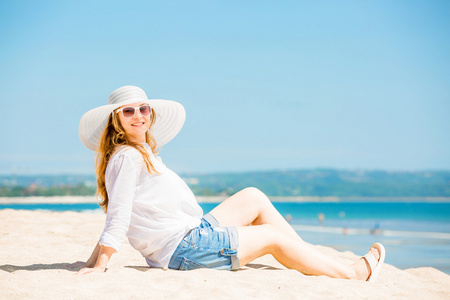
(360, 231)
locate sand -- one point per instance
(37, 247)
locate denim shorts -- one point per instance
(207, 246)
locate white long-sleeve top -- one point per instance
(155, 211)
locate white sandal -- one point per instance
(375, 265)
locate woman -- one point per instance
(154, 208)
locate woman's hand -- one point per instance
(85, 271)
(102, 261)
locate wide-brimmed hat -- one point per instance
(170, 116)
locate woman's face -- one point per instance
(136, 126)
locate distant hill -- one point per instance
(316, 182)
(327, 182)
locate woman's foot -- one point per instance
(362, 267)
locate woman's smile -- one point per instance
(136, 126)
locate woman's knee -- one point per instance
(252, 190)
(258, 200)
(256, 194)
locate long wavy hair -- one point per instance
(114, 136)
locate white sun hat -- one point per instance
(170, 117)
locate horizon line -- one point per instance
(188, 173)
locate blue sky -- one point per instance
(266, 84)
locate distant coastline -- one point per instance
(296, 185)
(218, 199)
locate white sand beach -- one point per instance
(37, 247)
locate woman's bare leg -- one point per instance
(270, 233)
(251, 207)
(256, 241)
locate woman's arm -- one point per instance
(93, 259)
(104, 254)
(122, 178)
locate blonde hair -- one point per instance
(112, 137)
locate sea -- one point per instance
(415, 234)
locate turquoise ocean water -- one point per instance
(414, 234)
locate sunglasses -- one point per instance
(129, 112)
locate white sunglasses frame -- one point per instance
(138, 108)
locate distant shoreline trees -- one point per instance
(318, 183)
